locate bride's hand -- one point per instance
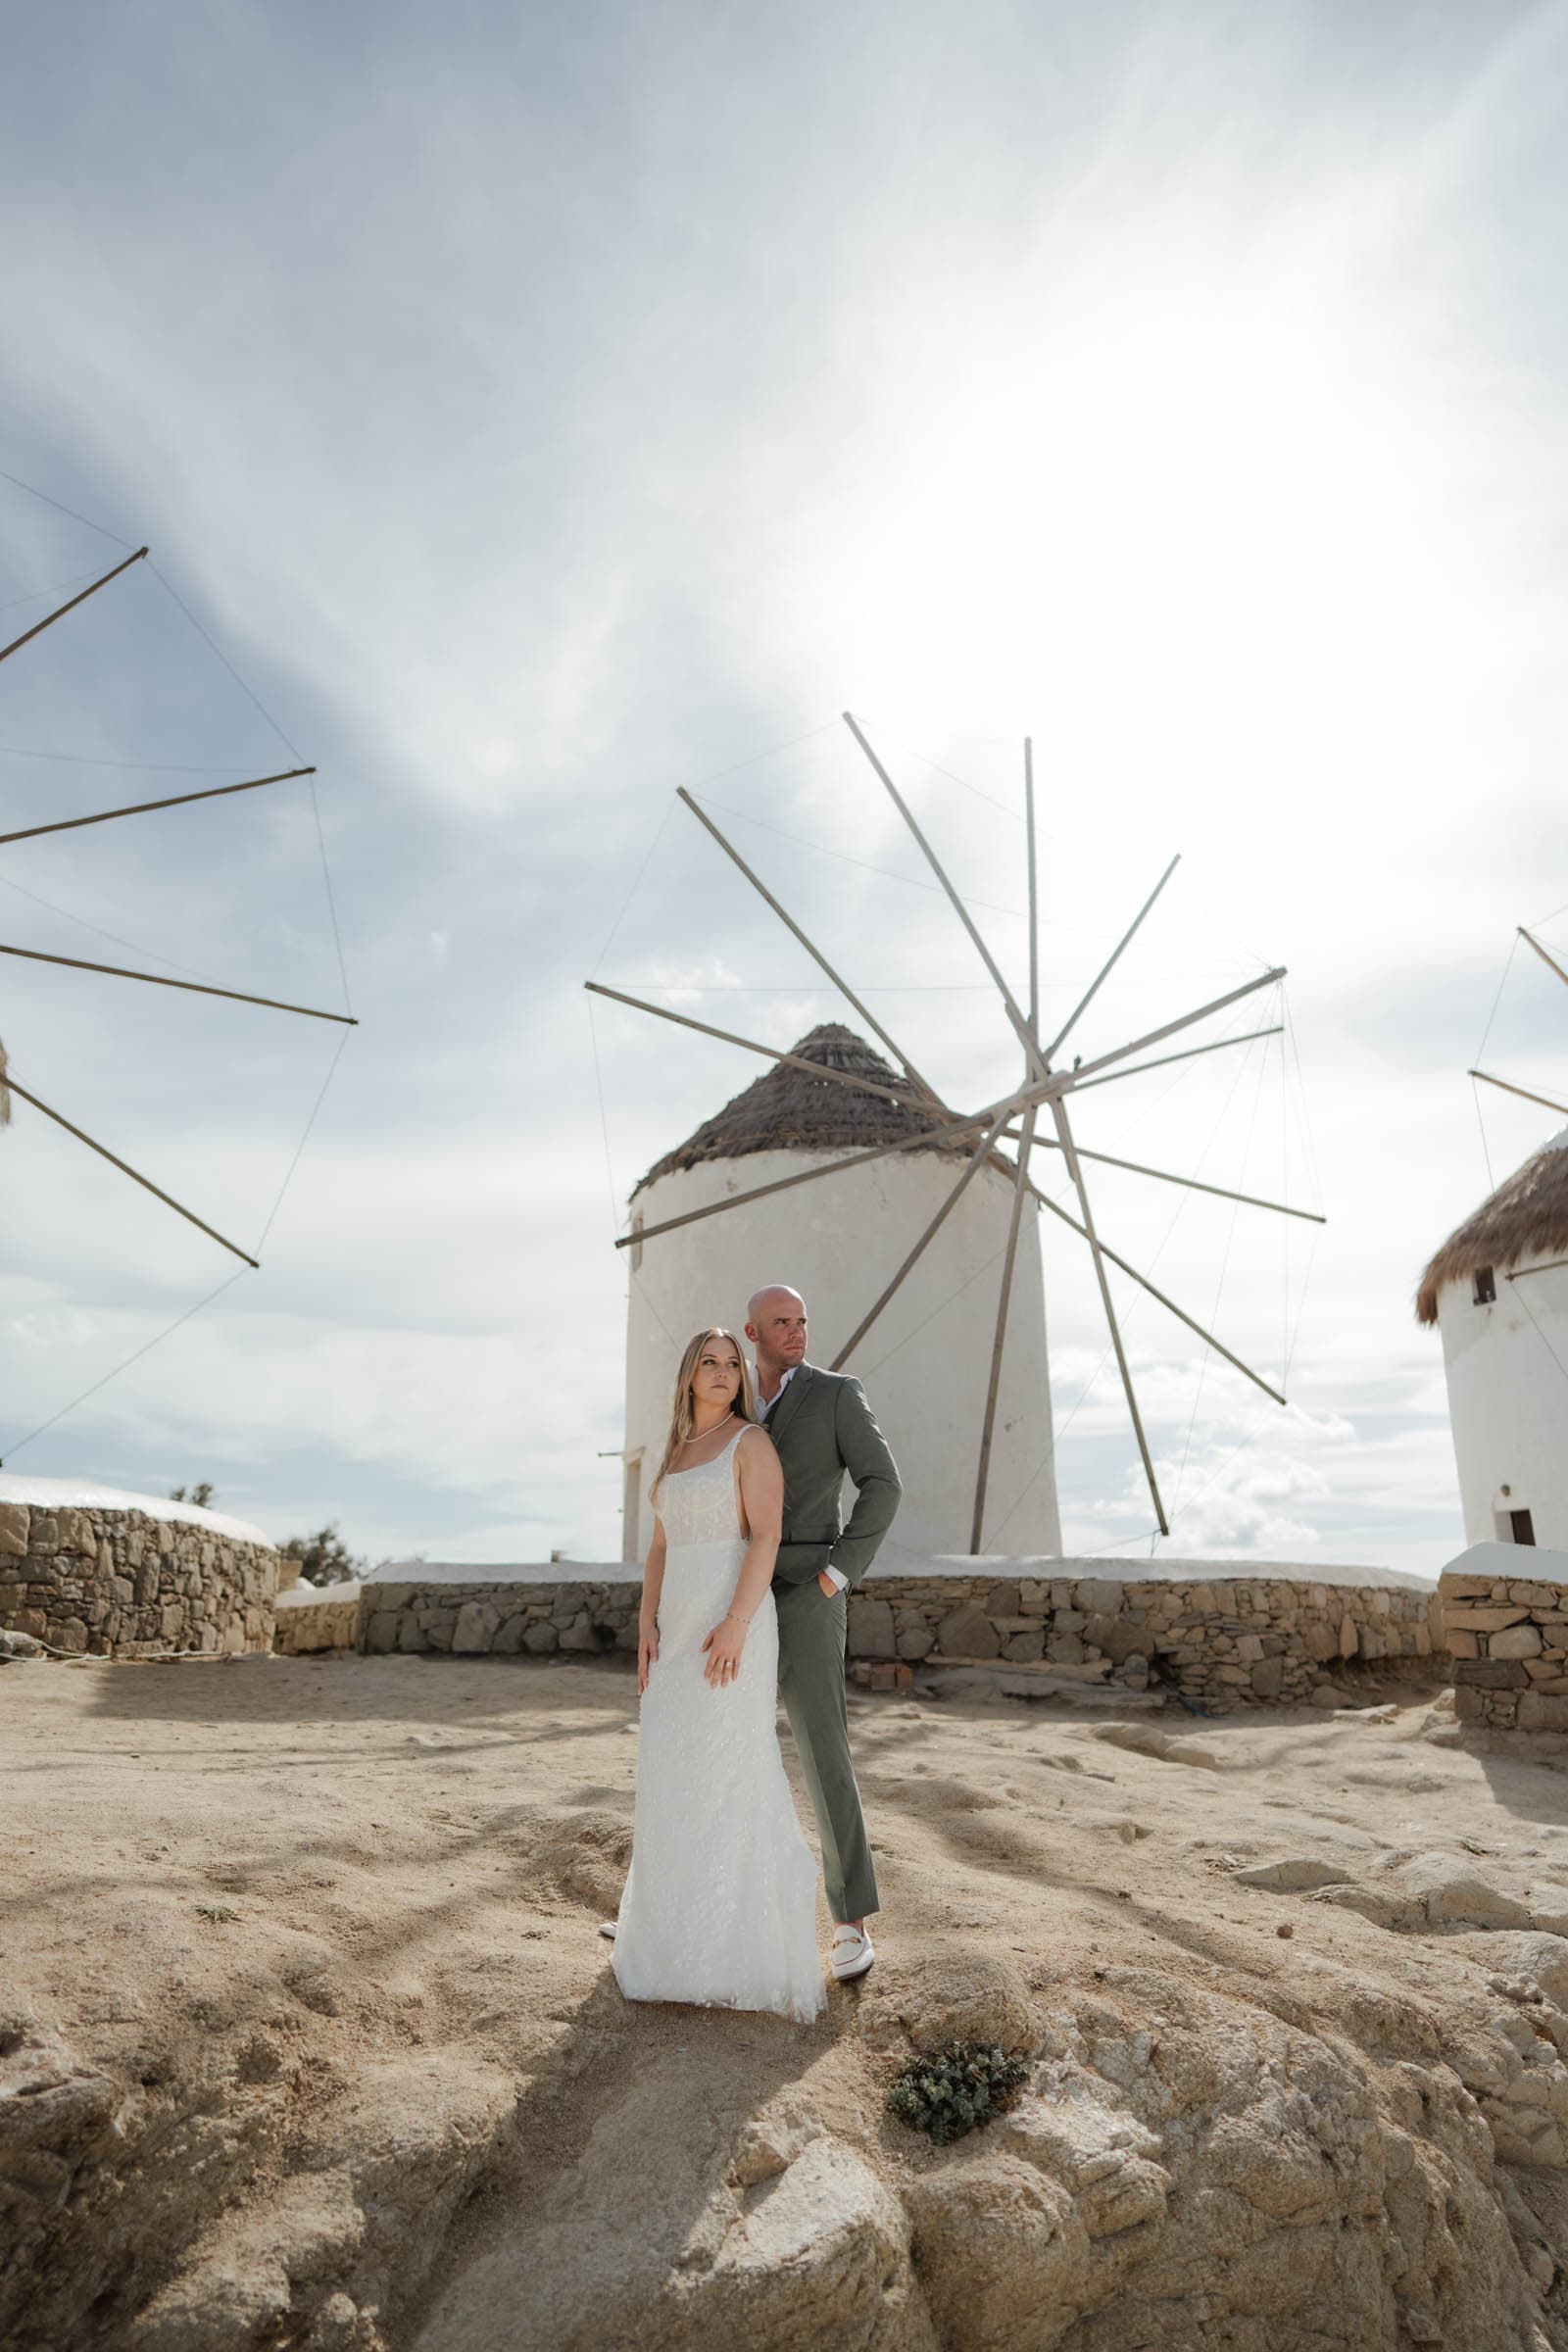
(646, 1653)
(724, 1647)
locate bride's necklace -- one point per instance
(698, 1435)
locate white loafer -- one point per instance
(852, 1954)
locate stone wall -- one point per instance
(312, 1620)
(1508, 1637)
(561, 1611)
(1229, 1642)
(121, 1584)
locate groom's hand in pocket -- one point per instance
(826, 1583)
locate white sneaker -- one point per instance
(852, 1955)
(607, 1929)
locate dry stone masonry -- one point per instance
(314, 1619)
(1229, 1642)
(1508, 1639)
(532, 1611)
(123, 1584)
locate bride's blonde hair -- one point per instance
(682, 1414)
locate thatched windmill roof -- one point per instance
(786, 1111)
(1525, 1217)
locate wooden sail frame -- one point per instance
(1507, 1086)
(10, 1083)
(1045, 1092)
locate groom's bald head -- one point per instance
(775, 1325)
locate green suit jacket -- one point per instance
(823, 1427)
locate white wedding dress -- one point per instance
(720, 1901)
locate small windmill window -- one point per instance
(1485, 1287)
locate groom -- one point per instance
(823, 1425)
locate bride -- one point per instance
(720, 1901)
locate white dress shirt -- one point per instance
(835, 1576)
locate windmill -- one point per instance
(10, 1083)
(1035, 1116)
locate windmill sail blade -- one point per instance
(1151, 1037)
(1188, 1054)
(1014, 1012)
(796, 1062)
(1169, 1304)
(816, 953)
(1065, 1133)
(1110, 964)
(214, 792)
(1034, 884)
(1004, 1300)
(1509, 1087)
(973, 1168)
(197, 988)
(1550, 960)
(60, 612)
(126, 1170)
(1192, 1183)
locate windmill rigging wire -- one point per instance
(35, 595)
(911, 881)
(159, 768)
(98, 931)
(61, 508)
(1224, 1269)
(294, 752)
(145, 1349)
(299, 1148)
(219, 654)
(909, 750)
(636, 884)
(1540, 1334)
(941, 1308)
(1134, 1307)
(604, 1123)
(331, 895)
(1497, 998)
(1485, 1149)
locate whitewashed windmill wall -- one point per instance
(1498, 1291)
(926, 1363)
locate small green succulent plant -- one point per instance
(949, 2091)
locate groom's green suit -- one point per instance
(822, 1426)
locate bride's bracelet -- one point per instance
(737, 1616)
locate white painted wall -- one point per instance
(924, 1364)
(1507, 1373)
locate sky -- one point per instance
(530, 412)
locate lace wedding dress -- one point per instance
(720, 1901)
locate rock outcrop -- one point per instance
(349, 2073)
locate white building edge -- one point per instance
(1498, 1291)
(924, 1364)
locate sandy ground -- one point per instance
(328, 1874)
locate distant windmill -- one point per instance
(10, 1083)
(1044, 1091)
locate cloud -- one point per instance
(544, 412)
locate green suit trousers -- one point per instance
(812, 1630)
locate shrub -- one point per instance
(949, 2091)
(325, 1558)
